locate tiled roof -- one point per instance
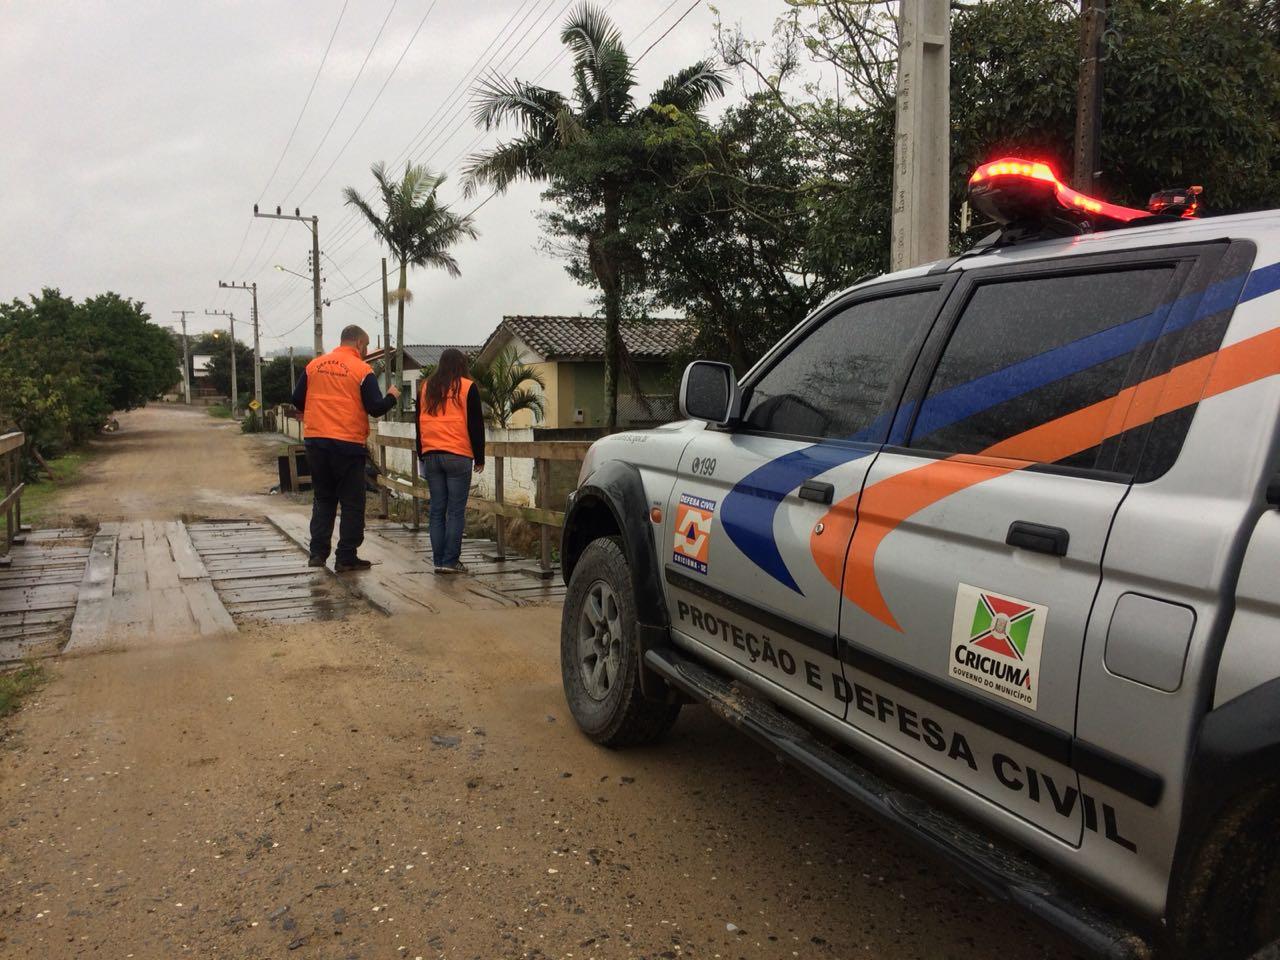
(422, 354)
(426, 353)
(582, 338)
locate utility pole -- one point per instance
(386, 332)
(186, 357)
(313, 223)
(922, 141)
(257, 360)
(1093, 23)
(292, 381)
(235, 395)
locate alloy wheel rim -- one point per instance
(600, 641)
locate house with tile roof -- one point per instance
(419, 356)
(569, 353)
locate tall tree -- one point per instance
(740, 246)
(1199, 106)
(588, 146)
(417, 230)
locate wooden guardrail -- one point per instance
(542, 452)
(11, 491)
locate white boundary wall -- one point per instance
(518, 483)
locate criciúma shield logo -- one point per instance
(1001, 625)
(996, 643)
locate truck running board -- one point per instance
(1001, 871)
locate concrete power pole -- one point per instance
(386, 332)
(292, 382)
(257, 358)
(313, 224)
(235, 392)
(922, 142)
(1093, 23)
(186, 357)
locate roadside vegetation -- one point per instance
(220, 410)
(40, 489)
(66, 366)
(17, 684)
(746, 223)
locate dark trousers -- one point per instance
(337, 477)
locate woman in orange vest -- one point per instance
(450, 447)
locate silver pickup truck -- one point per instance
(991, 545)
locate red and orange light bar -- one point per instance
(1034, 170)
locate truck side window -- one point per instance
(1027, 353)
(837, 381)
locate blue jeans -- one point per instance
(448, 477)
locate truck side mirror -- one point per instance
(709, 392)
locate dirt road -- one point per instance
(380, 789)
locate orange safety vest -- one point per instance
(447, 429)
(334, 408)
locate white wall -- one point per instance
(518, 483)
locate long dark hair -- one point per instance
(446, 381)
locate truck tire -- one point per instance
(1230, 903)
(600, 653)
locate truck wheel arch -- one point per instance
(612, 503)
(1230, 808)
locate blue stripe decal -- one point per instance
(749, 509)
(1261, 282)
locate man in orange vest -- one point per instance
(336, 395)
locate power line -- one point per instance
(377, 96)
(239, 250)
(457, 96)
(253, 267)
(462, 112)
(305, 319)
(348, 279)
(547, 69)
(351, 89)
(447, 102)
(695, 3)
(352, 224)
(314, 81)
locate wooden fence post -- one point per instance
(499, 522)
(543, 500)
(384, 495)
(417, 501)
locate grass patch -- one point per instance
(38, 495)
(220, 410)
(18, 684)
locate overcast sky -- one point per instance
(138, 135)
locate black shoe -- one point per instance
(343, 566)
(316, 561)
(456, 567)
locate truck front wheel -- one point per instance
(1229, 899)
(600, 653)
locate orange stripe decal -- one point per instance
(886, 505)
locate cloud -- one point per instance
(138, 137)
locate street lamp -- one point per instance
(294, 272)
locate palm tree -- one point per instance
(555, 127)
(417, 229)
(503, 393)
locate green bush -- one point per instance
(65, 367)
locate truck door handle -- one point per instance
(817, 491)
(1038, 537)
